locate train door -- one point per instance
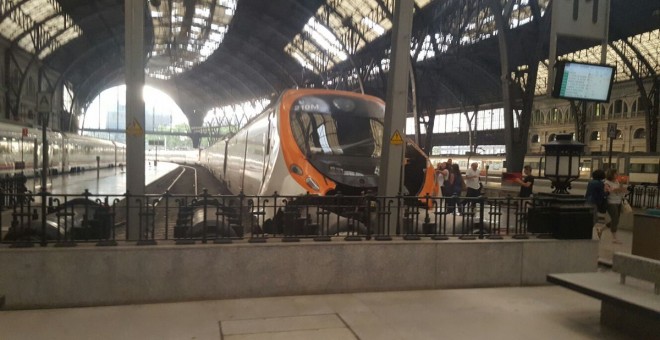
(621, 165)
(65, 155)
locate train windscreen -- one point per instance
(341, 136)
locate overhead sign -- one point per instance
(157, 142)
(396, 138)
(44, 103)
(134, 129)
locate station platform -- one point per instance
(106, 181)
(542, 312)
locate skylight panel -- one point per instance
(38, 10)
(333, 24)
(43, 17)
(204, 33)
(378, 29)
(325, 40)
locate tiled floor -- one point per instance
(547, 312)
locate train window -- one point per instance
(595, 135)
(651, 168)
(321, 128)
(644, 168)
(639, 134)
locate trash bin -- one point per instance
(573, 222)
(539, 219)
(563, 216)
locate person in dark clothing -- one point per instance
(596, 196)
(526, 183)
(454, 188)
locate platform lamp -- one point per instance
(562, 162)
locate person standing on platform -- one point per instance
(472, 183)
(526, 183)
(596, 197)
(454, 188)
(441, 176)
(615, 192)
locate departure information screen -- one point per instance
(583, 82)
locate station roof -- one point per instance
(220, 52)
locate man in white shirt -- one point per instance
(472, 182)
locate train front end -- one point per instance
(332, 143)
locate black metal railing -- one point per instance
(644, 196)
(185, 219)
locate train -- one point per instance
(317, 141)
(21, 151)
(633, 168)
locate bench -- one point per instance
(629, 305)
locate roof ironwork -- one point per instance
(225, 52)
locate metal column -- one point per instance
(389, 183)
(134, 63)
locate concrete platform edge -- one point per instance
(89, 276)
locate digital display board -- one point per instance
(580, 81)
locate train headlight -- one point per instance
(296, 170)
(312, 184)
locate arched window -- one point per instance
(619, 134)
(634, 107)
(572, 135)
(570, 116)
(535, 139)
(554, 115)
(536, 117)
(598, 111)
(595, 135)
(639, 134)
(618, 108)
(552, 137)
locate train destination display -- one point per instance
(589, 82)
